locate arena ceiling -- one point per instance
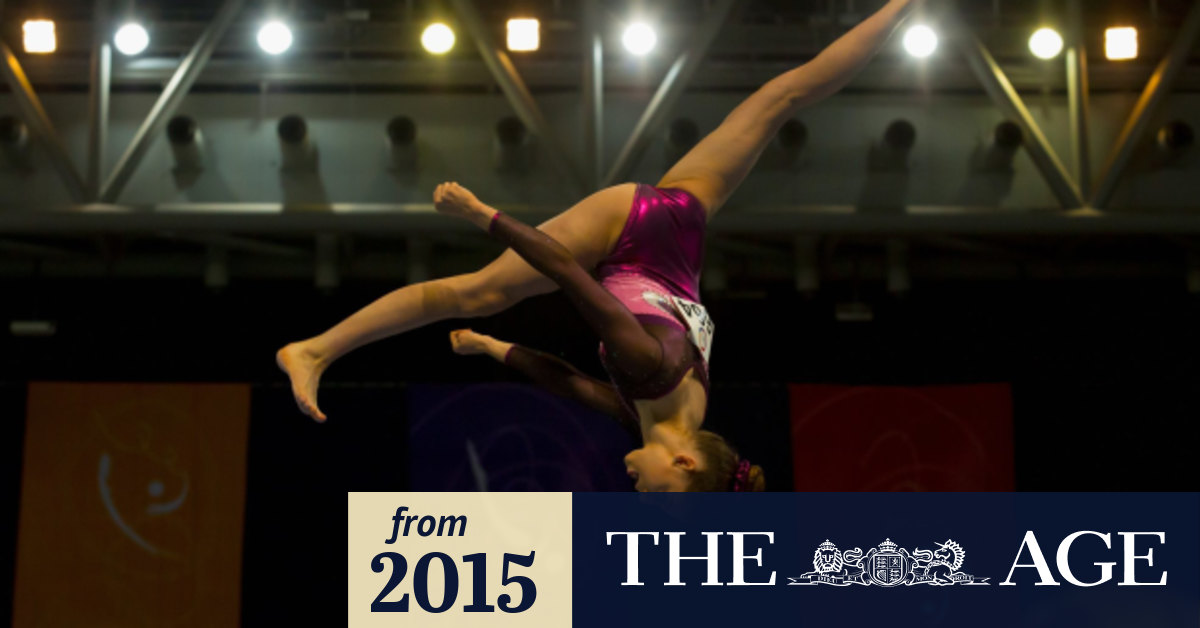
(360, 44)
(374, 45)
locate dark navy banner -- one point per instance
(887, 559)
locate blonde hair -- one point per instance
(719, 465)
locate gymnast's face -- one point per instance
(655, 469)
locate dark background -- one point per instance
(1103, 373)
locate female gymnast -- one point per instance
(646, 246)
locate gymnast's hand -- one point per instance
(467, 342)
(453, 199)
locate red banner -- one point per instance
(947, 438)
(131, 505)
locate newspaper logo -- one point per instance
(888, 565)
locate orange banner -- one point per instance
(131, 505)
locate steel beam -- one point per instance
(98, 101)
(1079, 96)
(248, 245)
(1002, 92)
(514, 88)
(593, 92)
(26, 249)
(185, 75)
(405, 220)
(35, 116)
(1153, 95)
(886, 75)
(669, 92)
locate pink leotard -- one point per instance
(660, 250)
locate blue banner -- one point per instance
(510, 437)
(887, 559)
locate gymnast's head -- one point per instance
(703, 462)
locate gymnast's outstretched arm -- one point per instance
(549, 372)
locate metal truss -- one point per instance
(189, 69)
(1075, 191)
(40, 126)
(593, 93)
(669, 92)
(99, 98)
(1147, 107)
(1005, 96)
(1072, 190)
(514, 88)
(193, 220)
(1078, 95)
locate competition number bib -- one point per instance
(699, 324)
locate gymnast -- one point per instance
(628, 258)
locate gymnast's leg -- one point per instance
(716, 166)
(630, 347)
(589, 230)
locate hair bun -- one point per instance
(756, 482)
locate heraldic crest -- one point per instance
(888, 565)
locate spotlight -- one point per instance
(682, 135)
(32, 329)
(997, 154)
(512, 146)
(901, 135)
(39, 36)
(788, 144)
(187, 146)
(920, 41)
(793, 134)
(523, 35)
(14, 144)
(297, 149)
(13, 132)
(891, 155)
(402, 145)
(639, 39)
(182, 130)
(1008, 136)
(1175, 137)
(1046, 43)
(275, 38)
(402, 131)
(438, 38)
(132, 39)
(510, 131)
(292, 129)
(1121, 43)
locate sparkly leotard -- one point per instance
(661, 251)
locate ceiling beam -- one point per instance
(1160, 85)
(416, 219)
(1006, 98)
(38, 121)
(518, 94)
(168, 102)
(670, 91)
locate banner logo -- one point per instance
(888, 565)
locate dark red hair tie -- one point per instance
(741, 477)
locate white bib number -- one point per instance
(699, 324)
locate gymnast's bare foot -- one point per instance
(453, 199)
(304, 369)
